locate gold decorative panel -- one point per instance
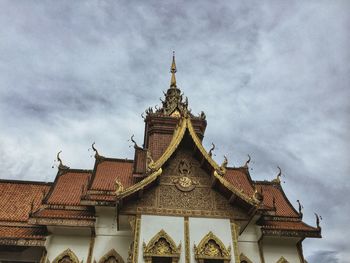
(111, 257)
(161, 245)
(211, 247)
(66, 256)
(184, 189)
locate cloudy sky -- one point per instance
(273, 79)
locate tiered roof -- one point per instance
(27, 208)
(19, 199)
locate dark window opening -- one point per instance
(213, 261)
(161, 260)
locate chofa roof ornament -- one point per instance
(318, 219)
(278, 177)
(61, 166)
(133, 141)
(223, 166)
(300, 209)
(211, 149)
(248, 161)
(95, 150)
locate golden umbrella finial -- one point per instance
(173, 71)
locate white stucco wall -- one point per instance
(151, 225)
(107, 235)
(248, 243)
(59, 243)
(199, 227)
(274, 248)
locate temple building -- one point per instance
(172, 203)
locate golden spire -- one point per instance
(173, 71)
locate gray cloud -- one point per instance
(324, 257)
(272, 78)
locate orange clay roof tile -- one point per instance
(288, 225)
(108, 171)
(23, 232)
(109, 198)
(62, 213)
(68, 188)
(283, 206)
(17, 199)
(240, 180)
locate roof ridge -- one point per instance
(16, 181)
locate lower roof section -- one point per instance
(23, 235)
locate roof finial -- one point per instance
(60, 163)
(318, 218)
(211, 149)
(277, 179)
(173, 71)
(248, 161)
(133, 141)
(300, 209)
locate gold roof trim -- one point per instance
(200, 146)
(240, 194)
(156, 167)
(217, 168)
(134, 188)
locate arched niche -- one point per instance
(112, 256)
(244, 259)
(282, 260)
(161, 246)
(66, 256)
(210, 248)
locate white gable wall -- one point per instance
(107, 236)
(199, 227)
(274, 248)
(59, 243)
(151, 225)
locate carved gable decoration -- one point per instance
(66, 256)
(211, 247)
(282, 260)
(184, 182)
(111, 257)
(184, 189)
(161, 245)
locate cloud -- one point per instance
(272, 78)
(324, 257)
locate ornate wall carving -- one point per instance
(161, 245)
(111, 257)
(211, 247)
(66, 256)
(184, 189)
